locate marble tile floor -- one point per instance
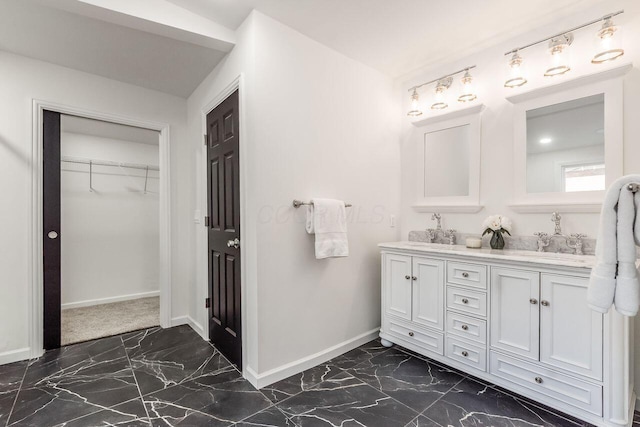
(171, 377)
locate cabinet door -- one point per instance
(515, 311)
(570, 332)
(428, 292)
(397, 285)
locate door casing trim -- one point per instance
(36, 233)
(246, 257)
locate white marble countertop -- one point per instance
(548, 258)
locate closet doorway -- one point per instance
(101, 228)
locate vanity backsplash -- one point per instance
(525, 243)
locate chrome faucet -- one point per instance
(432, 233)
(573, 241)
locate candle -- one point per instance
(474, 242)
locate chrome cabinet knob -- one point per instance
(407, 277)
(464, 327)
(465, 354)
(465, 301)
(538, 380)
(533, 301)
(545, 303)
(410, 334)
(414, 278)
(235, 243)
(465, 274)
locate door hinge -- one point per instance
(205, 139)
(206, 221)
(207, 302)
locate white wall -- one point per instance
(496, 190)
(26, 79)
(317, 124)
(109, 236)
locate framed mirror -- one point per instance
(448, 162)
(568, 141)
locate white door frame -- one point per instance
(246, 241)
(36, 231)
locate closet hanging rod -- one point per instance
(298, 203)
(109, 163)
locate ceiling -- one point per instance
(395, 37)
(83, 126)
(398, 37)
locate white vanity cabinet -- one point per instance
(518, 320)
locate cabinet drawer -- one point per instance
(548, 383)
(467, 301)
(467, 327)
(428, 340)
(467, 353)
(472, 275)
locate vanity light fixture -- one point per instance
(442, 86)
(558, 47)
(610, 49)
(516, 79)
(468, 94)
(415, 108)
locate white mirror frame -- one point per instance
(609, 83)
(471, 202)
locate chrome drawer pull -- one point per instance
(465, 301)
(465, 274)
(533, 301)
(465, 354)
(464, 327)
(538, 380)
(410, 334)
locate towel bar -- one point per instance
(298, 203)
(633, 187)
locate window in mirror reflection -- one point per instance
(565, 146)
(446, 160)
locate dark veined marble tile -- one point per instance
(359, 354)
(157, 339)
(345, 401)
(163, 414)
(87, 387)
(473, 404)
(72, 358)
(270, 417)
(129, 414)
(422, 421)
(299, 382)
(410, 380)
(11, 375)
(6, 403)
(225, 397)
(175, 365)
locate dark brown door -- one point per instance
(223, 173)
(51, 228)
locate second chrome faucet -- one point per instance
(573, 241)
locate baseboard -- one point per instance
(188, 320)
(15, 355)
(90, 302)
(285, 371)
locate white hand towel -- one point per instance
(327, 219)
(615, 257)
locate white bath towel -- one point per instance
(614, 278)
(327, 219)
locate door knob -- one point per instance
(235, 243)
(52, 235)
